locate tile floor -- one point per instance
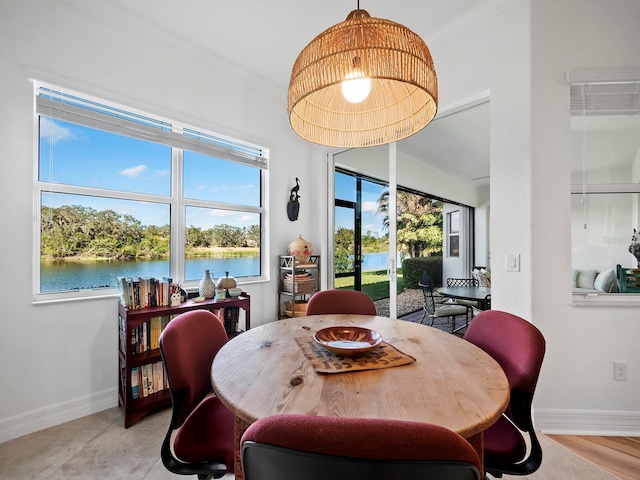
(98, 446)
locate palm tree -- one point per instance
(419, 223)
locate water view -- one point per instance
(64, 276)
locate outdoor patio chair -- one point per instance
(434, 310)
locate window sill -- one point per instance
(606, 300)
(81, 295)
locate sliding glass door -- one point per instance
(360, 244)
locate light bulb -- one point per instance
(356, 87)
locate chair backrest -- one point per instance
(188, 345)
(427, 286)
(340, 301)
(301, 447)
(429, 299)
(462, 282)
(426, 280)
(519, 347)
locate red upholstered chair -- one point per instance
(203, 426)
(302, 447)
(519, 347)
(340, 301)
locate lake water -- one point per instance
(65, 276)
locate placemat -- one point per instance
(324, 361)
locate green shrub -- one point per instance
(413, 267)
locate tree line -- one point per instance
(419, 230)
(75, 231)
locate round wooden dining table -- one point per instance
(451, 383)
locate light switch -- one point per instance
(513, 262)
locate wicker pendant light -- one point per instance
(385, 62)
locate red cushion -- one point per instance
(368, 438)
(341, 301)
(503, 443)
(517, 345)
(207, 434)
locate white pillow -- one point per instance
(604, 279)
(586, 278)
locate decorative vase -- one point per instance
(301, 249)
(226, 282)
(207, 286)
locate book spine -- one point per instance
(135, 391)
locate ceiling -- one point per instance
(265, 38)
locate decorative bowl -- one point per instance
(235, 291)
(348, 341)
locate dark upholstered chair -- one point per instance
(301, 447)
(340, 301)
(519, 347)
(203, 426)
(434, 310)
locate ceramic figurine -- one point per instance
(176, 299)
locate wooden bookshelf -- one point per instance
(138, 331)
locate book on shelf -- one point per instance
(158, 377)
(145, 380)
(148, 379)
(123, 333)
(135, 391)
(144, 292)
(146, 336)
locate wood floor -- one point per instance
(620, 456)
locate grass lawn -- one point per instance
(374, 283)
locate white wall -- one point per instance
(411, 173)
(60, 360)
(576, 388)
(530, 202)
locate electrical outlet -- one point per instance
(620, 371)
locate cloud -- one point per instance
(370, 206)
(222, 213)
(52, 131)
(133, 171)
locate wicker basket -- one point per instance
(299, 311)
(302, 285)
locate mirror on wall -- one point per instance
(605, 194)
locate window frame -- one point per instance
(453, 233)
(87, 110)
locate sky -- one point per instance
(345, 187)
(78, 155)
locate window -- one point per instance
(123, 193)
(453, 223)
(605, 206)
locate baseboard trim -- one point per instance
(587, 422)
(550, 421)
(29, 422)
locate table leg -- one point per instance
(239, 428)
(477, 443)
